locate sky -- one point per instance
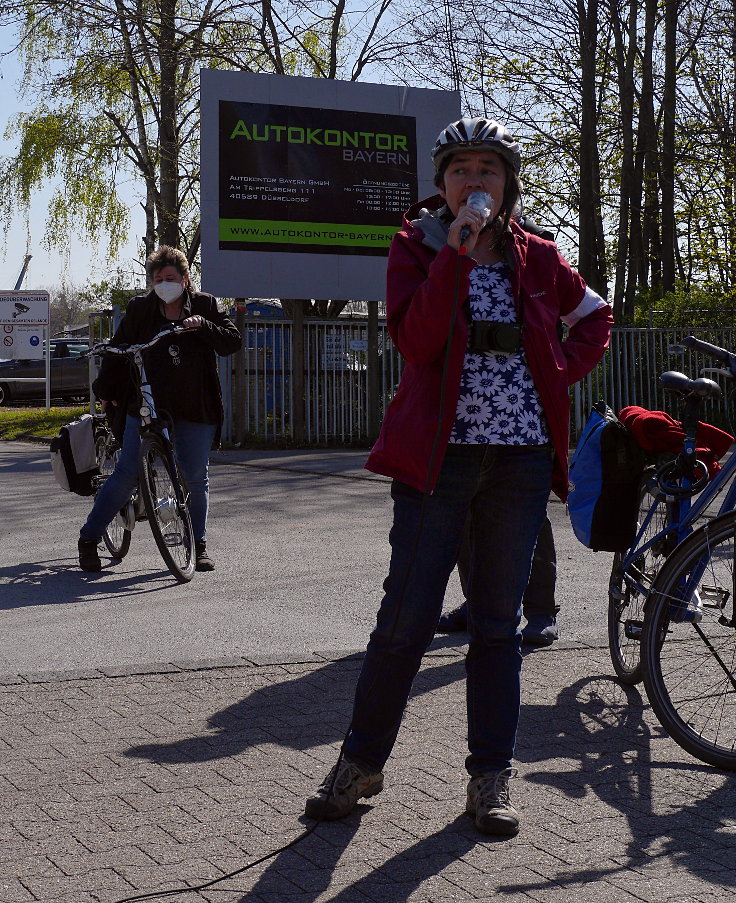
(46, 268)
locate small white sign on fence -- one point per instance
(335, 357)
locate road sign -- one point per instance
(23, 316)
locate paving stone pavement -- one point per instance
(170, 776)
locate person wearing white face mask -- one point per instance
(183, 375)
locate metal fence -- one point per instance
(335, 378)
(629, 372)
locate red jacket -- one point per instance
(420, 290)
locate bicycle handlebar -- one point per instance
(130, 350)
(720, 354)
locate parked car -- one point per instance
(69, 374)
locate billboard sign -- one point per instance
(308, 180)
(305, 180)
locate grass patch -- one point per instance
(35, 423)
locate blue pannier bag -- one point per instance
(605, 475)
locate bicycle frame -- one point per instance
(150, 421)
(688, 514)
(681, 513)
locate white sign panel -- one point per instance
(23, 316)
(305, 180)
(21, 342)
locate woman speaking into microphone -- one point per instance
(478, 428)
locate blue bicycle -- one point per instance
(673, 497)
(688, 641)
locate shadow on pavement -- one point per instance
(400, 876)
(62, 583)
(310, 710)
(656, 809)
(666, 804)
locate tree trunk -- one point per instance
(625, 62)
(648, 264)
(590, 263)
(168, 212)
(667, 157)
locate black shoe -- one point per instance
(89, 557)
(203, 562)
(540, 630)
(454, 621)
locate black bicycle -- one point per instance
(161, 497)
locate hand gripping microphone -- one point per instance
(481, 202)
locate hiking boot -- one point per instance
(490, 805)
(202, 561)
(540, 630)
(341, 789)
(89, 557)
(454, 620)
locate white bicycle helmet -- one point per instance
(476, 133)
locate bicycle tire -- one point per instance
(689, 644)
(166, 506)
(116, 536)
(625, 602)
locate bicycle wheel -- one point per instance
(627, 592)
(167, 509)
(116, 536)
(689, 644)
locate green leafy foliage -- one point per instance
(687, 307)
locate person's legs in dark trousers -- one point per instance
(539, 606)
(113, 494)
(511, 484)
(425, 538)
(506, 517)
(192, 443)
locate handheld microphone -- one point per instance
(481, 202)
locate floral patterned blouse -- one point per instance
(498, 403)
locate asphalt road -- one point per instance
(301, 545)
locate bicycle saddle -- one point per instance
(679, 382)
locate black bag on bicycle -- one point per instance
(73, 458)
(605, 472)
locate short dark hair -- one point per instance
(166, 256)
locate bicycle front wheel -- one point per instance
(166, 505)
(689, 644)
(116, 536)
(631, 579)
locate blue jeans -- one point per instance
(539, 596)
(505, 490)
(192, 444)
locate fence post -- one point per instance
(297, 371)
(372, 375)
(239, 377)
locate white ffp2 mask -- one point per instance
(168, 291)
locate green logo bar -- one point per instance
(289, 233)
